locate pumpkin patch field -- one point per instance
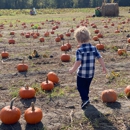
(36, 90)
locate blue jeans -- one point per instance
(83, 85)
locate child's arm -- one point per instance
(75, 66)
(102, 64)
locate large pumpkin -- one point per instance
(27, 92)
(53, 77)
(47, 85)
(10, 114)
(33, 114)
(109, 96)
(22, 67)
(127, 91)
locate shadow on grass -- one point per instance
(27, 102)
(98, 120)
(38, 126)
(15, 126)
(115, 105)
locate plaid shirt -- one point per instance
(87, 54)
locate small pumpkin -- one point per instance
(22, 67)
(109, 95)
(53, 77)
(121, 52)
(61, 36)
(41, 39)
(127, 91)
(27, 92)
(33, 114)
(96, 30)
(27, 35)
(68, 34)
(128, 40)
(47, 85)
(95, 38)
(10, 114)
(100, 35)
(11, 41)
(65, 57)
(46, 34)
(57, 39)
(4, 54)
(69, 45)
(64, 47)
(100, 46)
(12, 33)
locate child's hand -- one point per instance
(71, 71)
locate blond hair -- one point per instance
(82, 34)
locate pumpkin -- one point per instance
(100, 35)
(100, 46)
(65, 57)
(69, 45)
(94, 26)
(41, 39)
(27, 92)
(12, 33)
(46, 34)
(127, 91)
(53, 77)
(27, 35)
(68, 34)
(47, 85)
(109, 95)
(128, 40)
(4, 54)
(10, 114)
(11, 41)
(117, 31)
(64, 47)
(57, 39)
(112, 24)
(96, 30)
(35, 36)
(22, 67)
(121, 52)
(52, 32)
(33, 114)
(1, 35)
(95, 38)
(61, 36)
(72, 30)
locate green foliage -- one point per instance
(26, 4)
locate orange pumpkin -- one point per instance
(53, 77)
(10, 114)
(12, 33)
(27, 35)
(109, 96)
(100, 35)
(46, 34)
(65, 57)
(121, 52)
(100, 46)
(33, 114)
(4, 54)
(96, 30)
(41, 39)
(68, 45)
(61, 36)
(95, 38)
(64, 47)
(57, 39)
(47, 85)
(127, 91)
(128, 40)
(27, 92)
(11, 41)
(22, 67)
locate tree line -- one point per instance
(26, 4)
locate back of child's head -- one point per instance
(82, 34)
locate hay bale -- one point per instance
(110, 9)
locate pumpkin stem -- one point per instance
(47, 80)
(12, 101)
(4, 49)
(99, 41)
(32, 105)
(26, 86)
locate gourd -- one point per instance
(109, 96)
(33, 114)
(27, 92)
(10, 114)
(47, 85)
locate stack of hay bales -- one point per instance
(110, 9)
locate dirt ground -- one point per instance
(61, 107)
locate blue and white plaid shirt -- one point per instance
(87, 54)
